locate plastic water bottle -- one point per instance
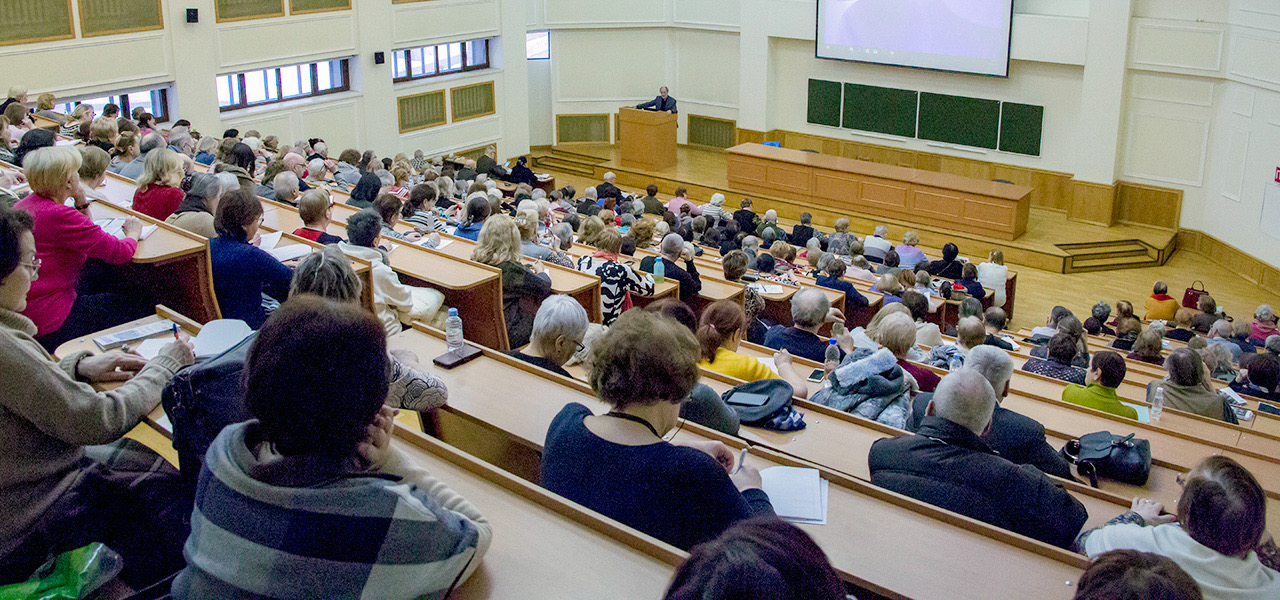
(1157, 404)
(659, 270)
(453, 330)
(831, 359)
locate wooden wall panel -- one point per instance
(1148, 205)
(1093, 203)
(751, 136)
(1228, 256)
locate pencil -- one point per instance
(742, 457)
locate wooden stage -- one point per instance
(1051, 242)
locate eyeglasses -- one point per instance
(579, 347)
(34, 265)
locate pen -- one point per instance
(741, 458)
(175, 333)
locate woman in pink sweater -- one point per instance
(65, 239)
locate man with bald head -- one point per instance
(810, 308)
(296, 164)
(1014, 436)
(947, 464)
(663, 103)
(672, 249)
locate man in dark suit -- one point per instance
(1016, 437)
(608, 188)
(948, 465)
(662, 103)
(672, 249)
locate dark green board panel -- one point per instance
(824, 102)
(1021, 126)
(959, 120)
(880, 109)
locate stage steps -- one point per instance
(557, 159)
(1111, 255)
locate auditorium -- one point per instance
(658, 299)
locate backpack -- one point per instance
(200, 400)
(775, 413)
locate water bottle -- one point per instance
(453, 330)
(659, 270)
(1157, 404)
(831, 358)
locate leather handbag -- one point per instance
(1191, 297)
(1126, 459)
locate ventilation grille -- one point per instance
(471, 101)
(103, 17)
(310, 6)
(235, 10)
(421, 111)
(582, 128)
(712, 132)
(34, 21)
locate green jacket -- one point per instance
(1098, 396)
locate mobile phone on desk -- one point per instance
(816, 375)
(453, 358)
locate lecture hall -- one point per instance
(658, 299)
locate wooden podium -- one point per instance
(648, 138)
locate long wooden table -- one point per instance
(869, 530)
(978, 206)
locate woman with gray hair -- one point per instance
(558, 331)
(1187, 386)
(1263, 325)
(1096, 324)
(195, 212)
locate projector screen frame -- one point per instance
(817, 38)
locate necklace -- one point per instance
(627, 417)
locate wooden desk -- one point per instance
(998, 210)
(869, 529)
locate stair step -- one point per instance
(1108, 263)
(561, 164)
(1110, 253)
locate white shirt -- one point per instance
(1220, 577)
(389, 294)
(878, 246)
(992, 277)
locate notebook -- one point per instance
(287, 253)
(220, 335)
(798, 494)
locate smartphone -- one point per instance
(816, 375)
(453, 358)
(748, 399)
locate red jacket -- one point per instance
(158, 201)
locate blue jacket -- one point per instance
(852, 299)
(242, 273)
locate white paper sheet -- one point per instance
(142, 331)
(797, 493)
(270, 240)
(149, 349)
(219, 336)
(768, 362)
(287, 253)
(443, 242)
(762, 288)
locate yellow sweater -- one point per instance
(731, 363)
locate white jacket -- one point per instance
(1220, 577)
(394, 301)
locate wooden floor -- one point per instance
(1038, 290)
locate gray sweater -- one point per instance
(47, 417)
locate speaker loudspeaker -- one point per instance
(379, 58)
(193, 15)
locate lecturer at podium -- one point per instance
(663, 103)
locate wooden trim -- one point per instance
(1237, 261)
(744, 136)
(314, 10)
(71, 32)
(607, 116)
(1093, 203)
(1150, 205)
(218, 18)
(444, 115)
(492, 96)
(83, 33)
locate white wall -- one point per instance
(188, 57)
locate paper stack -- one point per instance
(799, 495)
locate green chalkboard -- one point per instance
(959, 120)
(1020, 128)
(824, 102)
(879, 109)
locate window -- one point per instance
(537, 45)
(432, 61)
(277, 84)
(155, 102)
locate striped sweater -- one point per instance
(320, 530)
(616, 279)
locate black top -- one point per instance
(947, 269)
(522, 293)
(540, 361)
(677, 494)
(608, 190)
(798, 342)
(690, 283)
(800, 235)
(1016, 437)
(465, 174)
(997, 341)
(746, 220)
(948, 466)
(1182, 335)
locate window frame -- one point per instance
(240, 92)
(403, 54)
(542, 32)
(121, 99)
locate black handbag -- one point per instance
(1126, 459)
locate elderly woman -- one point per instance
(103, 133)
(158, 194)
(45, 108)
(333, 471)
(558, 331)
(908, 254)
(1263, 325)
(57, 498)
(205, 150)
(1187, 386)
(68, 238)
(1147, 347)
(1072, 327)
(897, 332)
(619, 464)
(1217, 534)
(889, 287)
(1127, 330)
(617, 280)
(838, 242)
(195, 212)
(523, 288)
(1096, 324)
(93, 171)
(243, 272)
(19, 120)
(241, 162)
(714, 210)
(721, 330)
(1059, 360)
(927, 333)
(889, 265)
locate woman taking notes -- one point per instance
(720, 332)
(619, 463)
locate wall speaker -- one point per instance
(379, 58)
(193, 15)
